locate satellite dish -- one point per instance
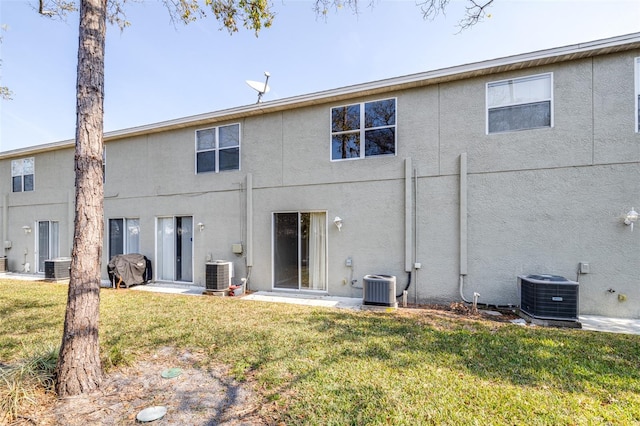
(259, 87)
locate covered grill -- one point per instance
(129, 269)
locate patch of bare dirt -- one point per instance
(198, 396)
(464, 310)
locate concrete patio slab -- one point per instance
(306, 299)
(610, 325)
(188, 290)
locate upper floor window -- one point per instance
(22, 172)
(363, 130)
(218, 149)
(520, 103)
(637, 114)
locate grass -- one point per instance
(336, 367)
(25, 381)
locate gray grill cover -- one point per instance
(128, 267)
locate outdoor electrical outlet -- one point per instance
(584, 267)
(417, 265)
(348, 262)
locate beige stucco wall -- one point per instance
(539, 201)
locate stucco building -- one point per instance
(458, 179)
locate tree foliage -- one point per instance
(475, 11)
(5, 93)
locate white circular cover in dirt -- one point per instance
(152, 413)
(170, 373)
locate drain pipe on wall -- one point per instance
(416, 266)
(5, 222)
(463, 230)
(408, 227)
(249, 229)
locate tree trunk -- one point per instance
(79, 369)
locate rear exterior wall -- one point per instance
(539, 201)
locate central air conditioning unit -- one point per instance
(548, 297)
(218, 275)
(57, 269)
(379, 290)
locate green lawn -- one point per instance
(338, 367)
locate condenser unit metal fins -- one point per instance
(57, 269)
(379, 290)
(548, 297)
(218, 275)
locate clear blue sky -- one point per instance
(156, 71)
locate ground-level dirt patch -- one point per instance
(198, 396)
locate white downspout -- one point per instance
(408, 210)
(463, 228)
(5, 222)
(249, 228)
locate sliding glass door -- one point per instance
(174, 249)
(300, 251)
(48, 242)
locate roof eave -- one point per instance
(493, 66)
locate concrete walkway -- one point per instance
(611, 325)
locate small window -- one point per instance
(520, 104)
(218, 149)
(22, 172)
(124, 236)
(363, 130)
(637, 114)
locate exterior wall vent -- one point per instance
(218, 275)
(548, 297)
(379, 290)
(57, 269)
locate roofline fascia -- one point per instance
(443, 75)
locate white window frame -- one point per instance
(14, 168)
(125, 233)
(508, 104)
(637, 86)
(363, 130)
(217, 148)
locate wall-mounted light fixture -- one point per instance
(338, 222)
(631, 217)
(200, 226)
(26, 229)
